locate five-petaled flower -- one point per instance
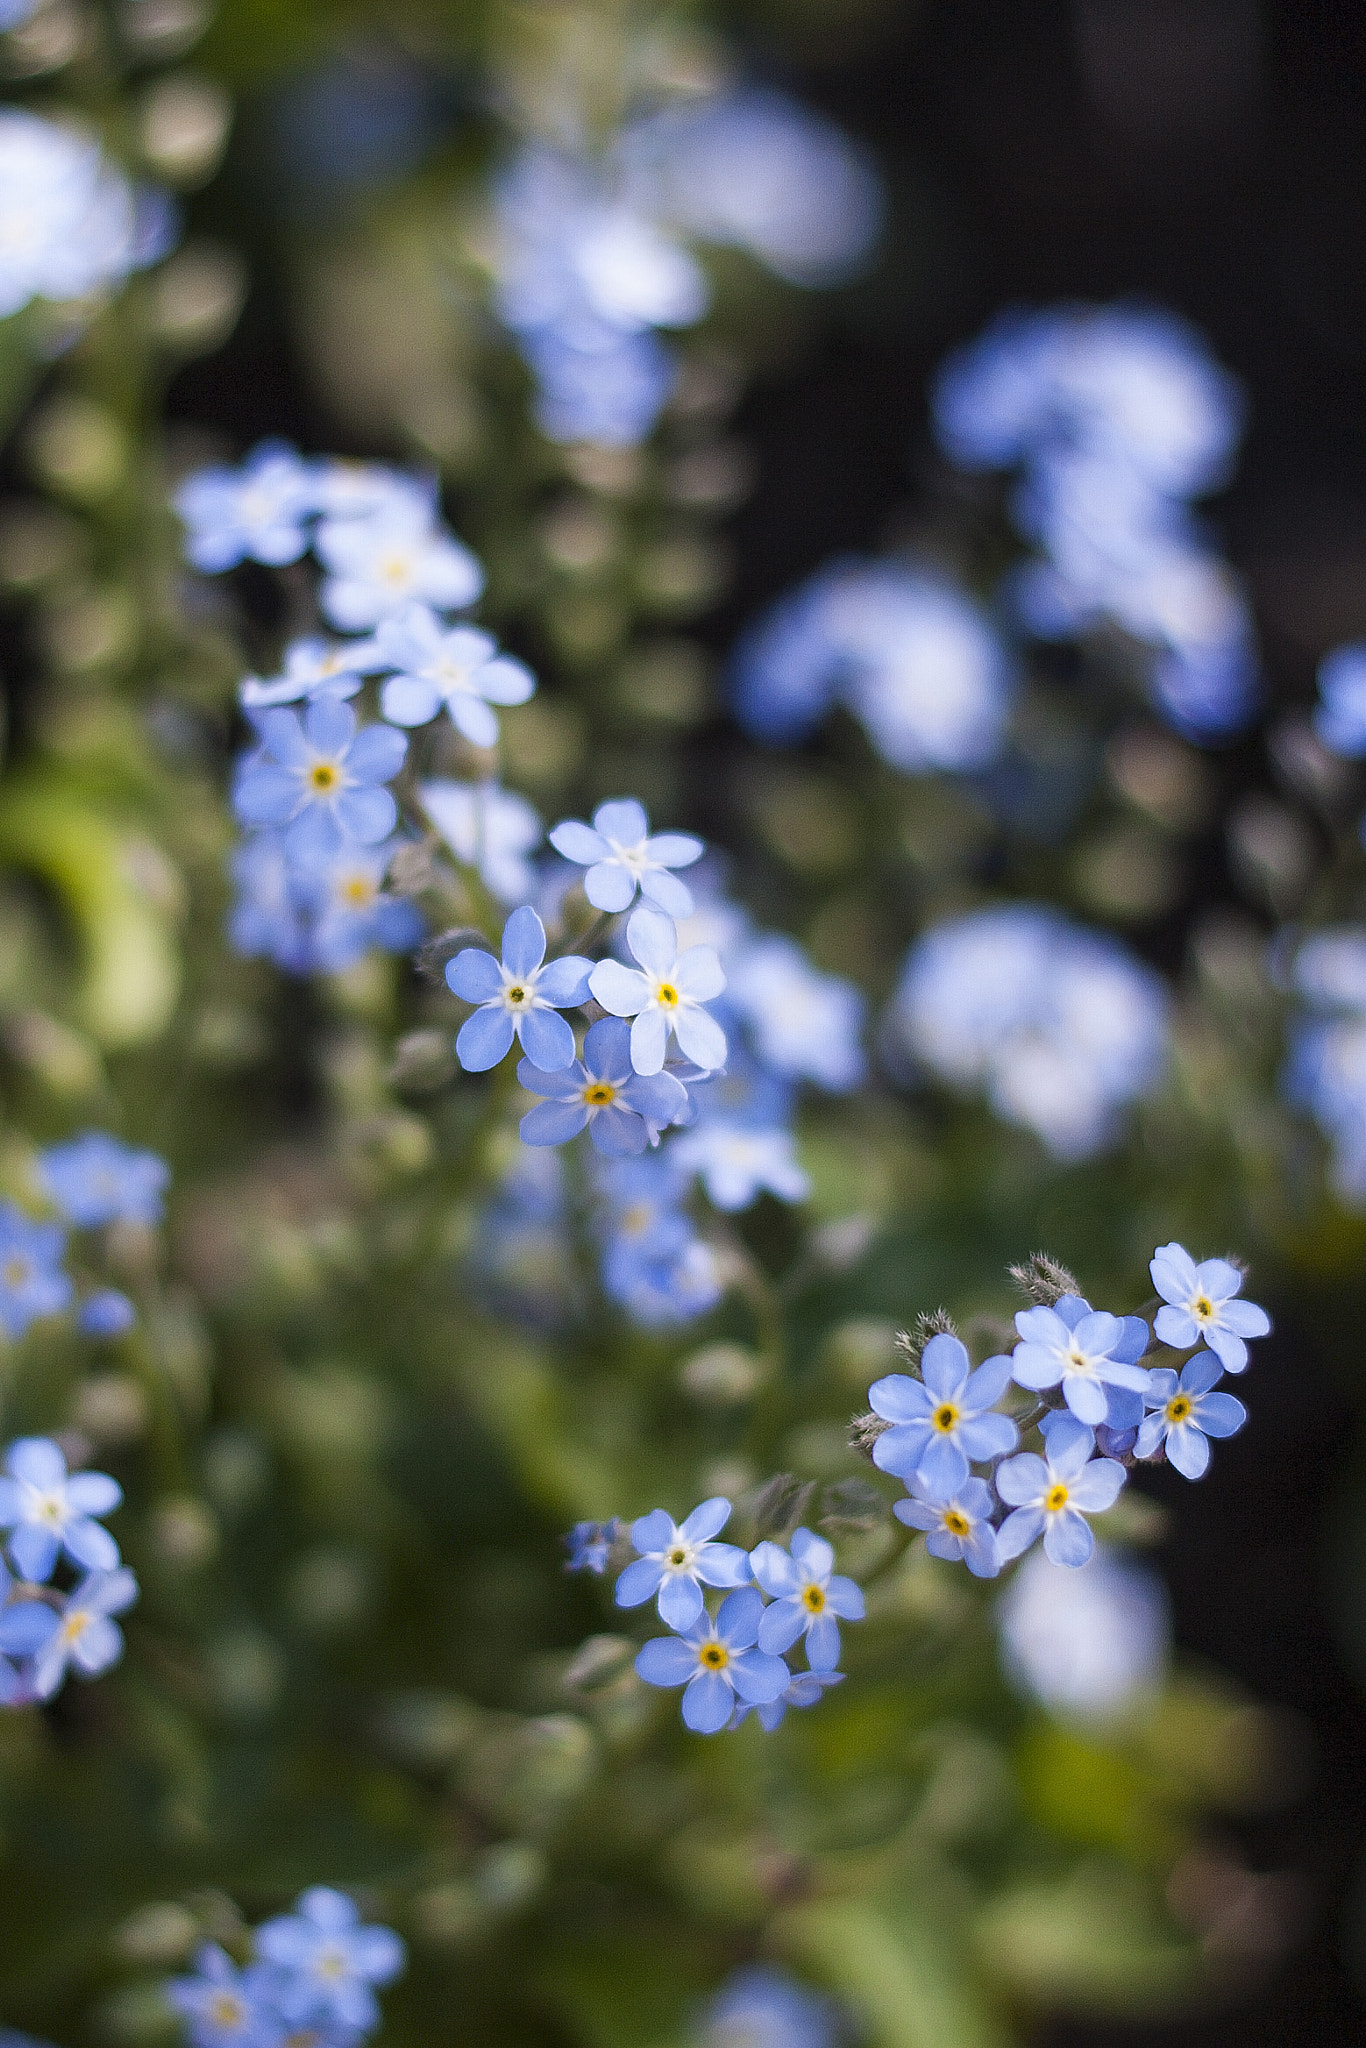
(394, 557)
(621, 855)
(257, 513)
(457, 666)
(590, 1545)
(677, 1559)
(333, 1960)
(623, 1111)
(1082, 1349)
(1186, 1414)
(87, 1635)
(49, 1513)
(944, 1418)
(314, 667)
(96, 1178)
(519, 998)
(32, 1283)
(715, 1661)
(809, 1598)
(1201, 1304)
(321, 778)
(664, 994)
(957, 1527)
(224, 2007)
(1055, 1493)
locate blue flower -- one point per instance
(805, 1025)
(590, 1545)
(1083, 1350)
(321, 779)
(664, 995)
(623, 1111)
(328, 1962)
(70, 223)
(760, 2007)
(97, 1179)
(654, 1263)
(32, 1283)
(314, 667)
(736, 1162)
(1340, 720)
(1187, 1414)
(88, 1636)
(809, 1598)
(50, 1513)
(944, 1418)
(265, 920)
(106, 1313)
(1201, 1305)
(715, 1661)
(518, 999)
(348, 912)
(26, 1626)
(958, 1524)
(805, 1689)
(1054, 1494)
(1087, 1643)
(677, 1559)
(490, 829)
(225, 2007)
(610, 396)
(388, 559)
(621, 855)
(257, 513)
(455, 666)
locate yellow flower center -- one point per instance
(956, 1522)
(395, 569)
(946, 1417)
(226, 2011)
(813, 1599)
(331, 1963)
(323, 776)
(50, 1508)
(1055, 1499)
(714, 1655)
(360, 890)
(599, 1093)
(1202, 1308)
(666, 995)
(16, 1272)
(678, 1556)
(1178, 1408)
(517, 994)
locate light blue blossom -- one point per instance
(590, 1545)
(805, 1690)
(518, 998)
(328, 1961)
(664, 995)
(1340, 719)
(456, 666)
(26, 1626)
(489, 829)
(654, 1263)
(609, 396)
(347, 912)
(1088, 1643)
(96, 1179)
(760, 2007)
(224, 2007)
(1084, 1351)
(265, 920)
(49, 1514)
(737, 1161)
(32, 1283)
(804, 1024)
(1187, 1414)
(1201, 1306)
(106, 1313)
(714, 1661)
(621, 855)
(314, 667)
(69, 221)
(259, 512)
(943, 1419)
(677, 1559)
(1054, 1494)
(321, 779)
(1325, 1072)
(88, 1638)
(381, 563)
(809, 1598)
(958, 1525)
(622, 1111)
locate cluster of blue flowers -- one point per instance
(52, 1519)
(590, 252)
(1061, 1026)
(71, 224)
(311, 1979)
(92, 1181)
(1118, 419)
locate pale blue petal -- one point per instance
(639, 1582)
(484, 1039)
(546, 1039)
(1017, 1532)
(1022, 1479)
(706, 1520)
(1188, 1451)
(474, 976)
(622, 990)
(609, 886)
(899, 1398)
(1068, 1539)
(944, 1367)
(942, 1468)
(780, 1627)
(666, 1660)
(523, 942)
(680, 1601)
(707, 1703)
(649, 1035)
(823, 1643)
(553, 1123)
(578, 842)
(1220, 1414)
(563, 983)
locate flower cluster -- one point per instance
(590, 258)
(1084, 1363)
(92, 1181)
(1325, 1072)
(1060, 1026)
(312, 1978)
(71, 225)
(52, 1517)
(1118, 419)
(914, 659)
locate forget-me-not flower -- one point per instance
(1054, 1494)
(347, 910)
(1200, 1304)
(519, 998)
(944, 1418)
(805, 1689)
(621, 854)
(809, 1598)
(459, 667)
(258, 512)
(224, 2007)
(654, 1263)
(32, 1283)
(760, 2007)
(96, 1178)
(70, 223)
(677, 1559)
(106, 1313)
(88, 1637)
(622, 1111)
(314, 667)
(737, 1161)
(321, 779)
(715, 1660)
(396, 557)
(26, 1626)
(1083, 1350)
(265, 920)
(958, 1526)
(329, 1961)
(590, 1545)
(804, 1024)
(1187, 1414)
(1091, 1642)
(49, 1512)
(490, 829)
(664, 994)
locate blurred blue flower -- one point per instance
(489, 829)
(265, 920)
(1200, 1305)
(26, 1626)
(1325, 1072)
(1088, 1642)
(805, 1690)
(714, 1661)
(70, 222)
(804, 1024)
(455, 666)
(106, 1313)
(321, 779)
(623, 1111)
(88, 1638)
(942, 1420)
(958, 1524)
(809, 1598)
(258, 512)
(224, 2007)
(1082, 1350)
(760, 2007)
(314, 667)
(1052, 1495)
(1187, 1414)
(590, 1545)
(654, 1263)
(380, 562)
(610, 395)
(518, 998)
(1340, 719)
(621, 855)
(677, 1559)
(96, 1178)
(49, 1514)
(347, 911)
(32, 1283)
(664, 995)
(14, 13)
(328, 1962)
(737, 1161)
